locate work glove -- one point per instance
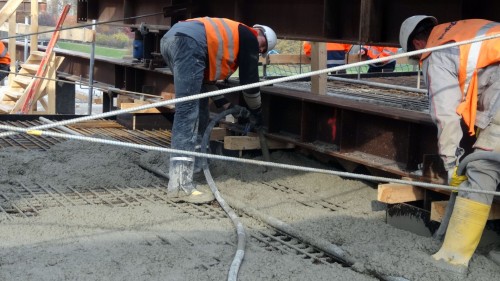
(454, 179)
(239, 111)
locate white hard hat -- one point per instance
(408, 26)
(269, 34)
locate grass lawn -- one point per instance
(99, 50)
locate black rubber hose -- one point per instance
(233, 272)
(263, 145)
(478, 155)
(237, 112)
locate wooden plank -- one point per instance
(252, 142)
(23, 80)
(9, 8)
(285, 59)
(50, 86)
(4, 108)
(127, 105)
(11, 94)
(30, 67)
(392, 193)
(438, 208)
(34, 26)
(218, 134)
(123, 99)
(12, 47)
(96, 124)
(318, 61)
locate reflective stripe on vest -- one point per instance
(474, 55)
(223, 46)
(4, 52)
(220, 47)
(335, 62)
(4, 55)
(381, 52)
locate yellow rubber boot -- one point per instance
(466, 226)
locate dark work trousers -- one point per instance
(186, 59)
(4, 71)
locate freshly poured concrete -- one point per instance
(160, 242)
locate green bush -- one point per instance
(117, 40)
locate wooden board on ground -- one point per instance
(438, 208)
(218, 134)
(127, 105)
(392, 193)
(96, 124)
(252, 142)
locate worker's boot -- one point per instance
(180, 185)
(494, 255)
(462, 237)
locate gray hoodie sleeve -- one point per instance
(441, 74)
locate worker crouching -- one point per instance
(201, 51)
(464, 86)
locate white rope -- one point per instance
(36, 130)
(242, 160)
(258, 84)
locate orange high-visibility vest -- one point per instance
(472, 57)
(223, 46)
(375, 52)
(4, 55)
(329, 47)
(335, 52)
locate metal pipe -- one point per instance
(377, 84)
(258, 84)
(27, 22)
(91, 71)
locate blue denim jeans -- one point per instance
(187, 61)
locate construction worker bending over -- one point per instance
(463, 84)
(376, 52)
(204, 50)
(4, 62)
(335, 53)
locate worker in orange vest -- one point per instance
(204, 50)
(335, 53)
(375, 52)
(4, 61)
(464, 85)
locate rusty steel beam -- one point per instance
(388, 139)
(354, 21)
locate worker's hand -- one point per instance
(454, 179)
(239, 112)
